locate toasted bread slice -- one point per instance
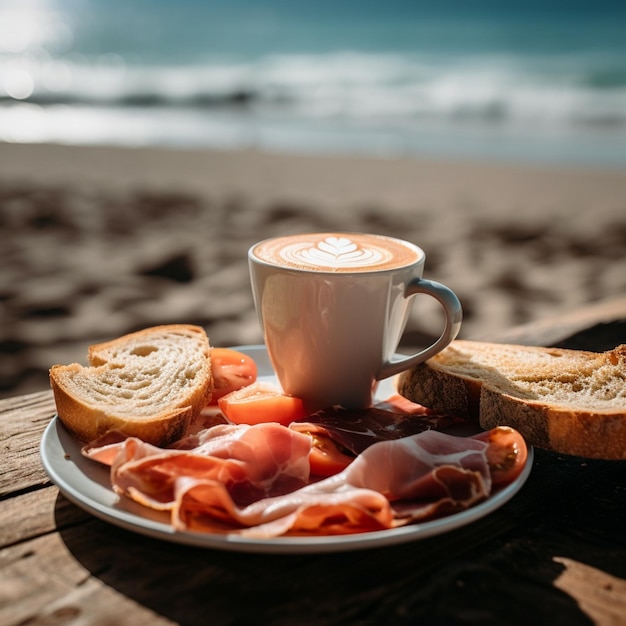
(150, 384)
(569, 401)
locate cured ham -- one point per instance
(355, 430)
(250, 461)
(339, 435)
(390, 484)
(255, 480)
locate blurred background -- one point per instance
(145, 145)
(523, 80)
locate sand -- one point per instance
(96, 242)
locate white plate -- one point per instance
(87, 484)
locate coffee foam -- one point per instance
(337, 252)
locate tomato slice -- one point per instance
(506, 454)
(326, 459)
(232, 370)
(261, 402)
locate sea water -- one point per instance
(522, 81)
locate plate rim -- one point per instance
(65, 468)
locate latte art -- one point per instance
(337, 252)
(334, 252)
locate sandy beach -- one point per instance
(97, 242)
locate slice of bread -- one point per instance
(569, 401)
(150, 384)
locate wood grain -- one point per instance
(554, 554)
(600, 595)
(599, 326)
(22, 422)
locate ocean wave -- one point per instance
(358, 87)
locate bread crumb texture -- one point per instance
(578, 379)
(150, 384)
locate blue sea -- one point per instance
(509, 81)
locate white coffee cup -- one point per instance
(333, 307)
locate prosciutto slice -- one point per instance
(253, 480)
(355, 430)
(250, 462)
(392, 483)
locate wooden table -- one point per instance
(554, 554)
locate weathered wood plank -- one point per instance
(600, 595)
(22, 422)
(36, 513)
(42, 583)
(500, 565)
(28, 515)
(554, 330)
(555, 554)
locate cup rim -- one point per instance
(421, 255)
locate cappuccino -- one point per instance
(333, 307)
(337, 252)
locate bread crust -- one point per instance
(493, 396)
(89, 423)
(459, 396)
(88, 419)
(591, 434)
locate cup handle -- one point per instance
(454, 314)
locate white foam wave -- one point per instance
(386, 104)
(358, 87)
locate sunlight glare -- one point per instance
(29, 24)
(19, 84)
